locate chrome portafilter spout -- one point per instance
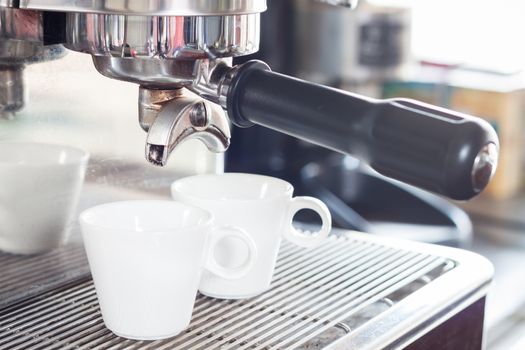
(173, 116)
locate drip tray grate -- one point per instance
(23, 276)
(317, 297)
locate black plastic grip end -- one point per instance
(471, 166)
(443, 151)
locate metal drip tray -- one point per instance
(24, 276)
(354, 291)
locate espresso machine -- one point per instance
(354, 291)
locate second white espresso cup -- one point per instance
(146, 259)
(39, 190)
(262, 206)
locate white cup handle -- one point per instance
(303, 240)
(213, 266)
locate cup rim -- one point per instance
(177, 183)
(83, 220)
(80, 155)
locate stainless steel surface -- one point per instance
(163, 37)
(159, 50)
(157, 8)
(11, 91)
(484, 166)
(327, 297)
(161, 74)
(24, 276)
(213, 80)
(14, 55)
(151, 102)
(21, 38)
(21, 25)
(167, 74)
(186, 117)
(21, 42)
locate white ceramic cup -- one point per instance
(146, 259)
(39, 190)
(263, 207)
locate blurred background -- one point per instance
(465, 55)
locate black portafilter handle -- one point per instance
(436, 149)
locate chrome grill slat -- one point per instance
(69, 333)
(318, 301)
(309, 333)
(121, 345)
(276, 288)
(15, 261)
(282, 265)
(315, 258)
(270, 300)
(301, 255)
(98, 334)
(36, 324)
(276, 284)
(63, 329)
(321, 287)
(42, 304)
(361, 300)
(41, 273)
(287, 250)
(26, 276)
(114, 340)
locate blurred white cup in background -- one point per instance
(39, 189)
